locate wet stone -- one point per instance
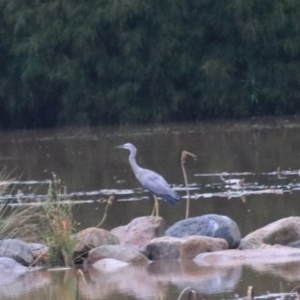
(93, 237)
(39, 251)
(269, 255)
(282, 232)
(208, 225)
(109, 265)
(17, 250)
(140, 231)
(9, 265)
(183, 248)
(121, 253)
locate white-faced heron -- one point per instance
(151, 181)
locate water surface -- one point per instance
(263, 152)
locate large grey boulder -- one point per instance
(117, 252)
(183, 248)
(140, 231)
(211, 225)
(282, 232)
(17, 250)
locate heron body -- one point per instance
(150, 180)
(157, 185)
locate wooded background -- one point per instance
(104, 62)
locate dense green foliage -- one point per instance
(125, 61)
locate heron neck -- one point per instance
(133, 164)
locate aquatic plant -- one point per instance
(58, 225)
(16, 221)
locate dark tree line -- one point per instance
(69, 62)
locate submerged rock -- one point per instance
(269, 255)
(183, 248)
(109, 265)
(121, 253)
(140, 231)
(17, 250)
(282, 232)
(208, 225)
(93, 237)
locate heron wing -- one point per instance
(157, 185)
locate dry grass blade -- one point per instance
(16, 222)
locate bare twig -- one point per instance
(110, 202)
(184, 156)
(191, 294)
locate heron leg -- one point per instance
(153, 210)
(155, 207)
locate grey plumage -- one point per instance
(150, 180)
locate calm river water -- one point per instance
(263, 152)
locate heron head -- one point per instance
(127, 146)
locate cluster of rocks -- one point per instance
(207, 240)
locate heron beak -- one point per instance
(120, 147)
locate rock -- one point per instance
(10, 271)
(295, 244)
(183, 248)
(19, 281)
(140, 231)
(235, 257)
(208, 225)
(283, 232)
(109, 265)
(38, 251)
(121, 253)
(9, 265)
(17, 250)
(93, 237)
